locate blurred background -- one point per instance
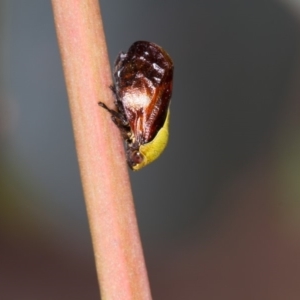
(219, 211)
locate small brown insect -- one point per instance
(143, 87)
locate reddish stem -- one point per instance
(118, 252)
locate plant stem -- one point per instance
(117, 247)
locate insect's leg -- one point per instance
(111, 111)
(119, 119)
(117, 101)
(116, 116)
(113, 89)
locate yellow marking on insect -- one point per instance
(153, 149)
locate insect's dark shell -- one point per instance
(145, 70)
(143, 87)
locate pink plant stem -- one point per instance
(117, 247)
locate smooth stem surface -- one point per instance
(118, 252)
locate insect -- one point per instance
(143, 87)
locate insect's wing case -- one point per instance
(143, 80)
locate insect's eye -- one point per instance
(136, 157)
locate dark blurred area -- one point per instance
(219, 211)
